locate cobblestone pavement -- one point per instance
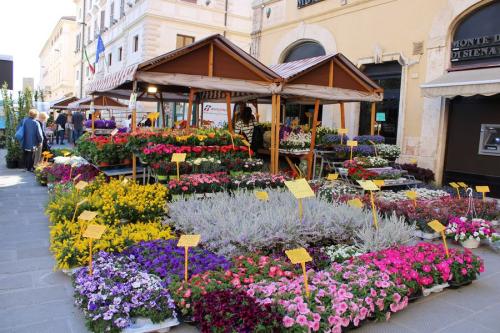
(35, 299)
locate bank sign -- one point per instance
(304, 3)
(476, 48)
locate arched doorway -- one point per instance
(298, 51)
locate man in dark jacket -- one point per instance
(32, 138)
(77, 125)
(61, 125)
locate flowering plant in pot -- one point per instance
(389, 152)
(119, 291)
(235, 311)
(465, 267)
(165, 259)
(469, 232)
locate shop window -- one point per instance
(387, 76)
(183, 40)
(304, 50)
(136, 43)
(476, 41)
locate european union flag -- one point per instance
(100, 48)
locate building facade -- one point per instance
(403, 45)
(138, 30)
(57, 76)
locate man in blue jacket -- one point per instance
(32, 138)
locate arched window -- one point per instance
(304, 50)
(476, 40)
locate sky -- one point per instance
(25, 25)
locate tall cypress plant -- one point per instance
(13, 116)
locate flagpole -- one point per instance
(82, 45)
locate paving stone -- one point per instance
(7, 255)
(48, 326)
(49, 277)
(466, 326)
(488, 317)
(26, 265)
(430, 316)
(36, 313)
(23, 298)
(13, 282)
(33, 252)
(384, 327)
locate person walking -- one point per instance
(61, 126)
(69, 128)
(42, 121)
(77, 125)
(32, 138)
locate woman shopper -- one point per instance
(245, 124)
(61, 125)
(32, 138)
(42, 121)
(69, 128)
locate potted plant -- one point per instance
(469, 232)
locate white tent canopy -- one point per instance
(484, 81)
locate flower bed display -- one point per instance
(425, 265)
(258, 180)
(274, 224)
(105, 150)
(198, 183)
(422, 194)
(425, 175)
(119, 291)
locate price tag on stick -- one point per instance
(177, 158)
(93, 231)
(352, 144)
(300, 256)
(412, 195)
(262, 195)
(81, 185)
(370, 186)
(483, 190)
(462, 184)
(332, 176)
(379, 182)
(342, 132)
(188, 241)
(356, 203)
(438, 227)
(300, 189)
(78, 204)
(457, 187)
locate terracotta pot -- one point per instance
(126, 161)
(103, 164)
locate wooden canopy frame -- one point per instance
(214, 69)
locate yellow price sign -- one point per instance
(342, 131)
(368, 185)
(300, 256)
(187, 241)
(457, 187)
(483, 190)
(66, 153)
(352, 143)
(153, 116)
(262, 195)
(300, 188)
(94, 231)
(125, 181)
(356, 203)
(440, 228)
(178, 157)
(78, 204)
(332, 176)
(462, 184)
(379, 182)
(81, 185)
(412, 195)
(87, 215)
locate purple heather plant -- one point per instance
(165, 259)
(118, 291)
(364, 139)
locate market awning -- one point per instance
(62, 103)
(331, 78)
(99, 103)
(484, 81)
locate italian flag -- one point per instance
(91, 67)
